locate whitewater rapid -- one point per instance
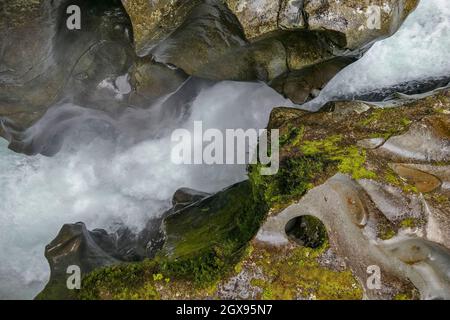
(105, 185)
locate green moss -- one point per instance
(300, 172)
(440, 198)
(393, 179)
(352, 162)
(294, 179)
(308, 231)
(401, 296)
(409, 223)
(299, 275)
(203, 245)
(292, 137)
(375, 116)
(121, 282)
(350, 159)
(385, 122)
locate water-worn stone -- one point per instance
(361, 21)
(75, 246)
(186, 196)
(305, 84)
(271, 57)
(208, 31)
(51, 62)
(427, 140)
(424, 182)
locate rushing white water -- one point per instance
(420, 49)
(99, 183)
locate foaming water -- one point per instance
(418, 50)
(104, 183)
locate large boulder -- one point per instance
(376, 178)
(305, 84)
(207, 33)
(75, 246)
(153, 21)
(361, 21)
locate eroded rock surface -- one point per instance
(392, 215)
(42, 61)
(356, 19)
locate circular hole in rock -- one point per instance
(307, 231)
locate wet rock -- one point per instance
(429, 259)
(424, 182)
(152, 80)
(75, 246)
(91, 250)
(372, 143)
(154, 21)
(274, 56)
(441, 172)
(78, 65)
(292, 15)
(361, 22)
(208, 31)
(326, 202)
(427, 140)
(305, 84)
(391, 201)
(225, 219)
(408, 90)
(185, 196)
(367, 208)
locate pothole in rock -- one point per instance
(307, 231)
